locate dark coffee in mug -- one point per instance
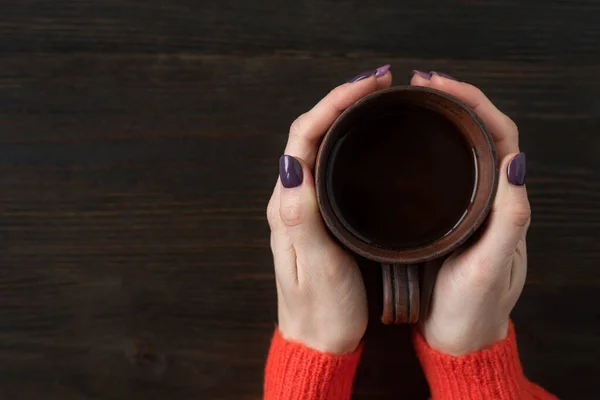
(401, 179)
(404, 176)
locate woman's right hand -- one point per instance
(320, 292)
(476, 288)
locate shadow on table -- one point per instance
(389, 368)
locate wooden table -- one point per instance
(139, 144)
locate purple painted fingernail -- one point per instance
(362, 76)
(378, 72)
(424, 75)
(517, 170)
(443, 75)
(290, 172)
(381, 71)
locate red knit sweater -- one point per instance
(296, 372)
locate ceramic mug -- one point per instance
(402, 264)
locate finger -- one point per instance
(273, 208)
(298, 209)
(503, 130)
(384, 81)
(518, 273)
(308, 129)
(284, 257)
(509, 218)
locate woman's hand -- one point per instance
(476, 288)
(321, 294)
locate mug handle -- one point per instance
(401, 293)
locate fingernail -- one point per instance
(443, 75)
(378, 72)
(290, 171)
(424, 75)
(382, 70)
(517, 170)
(362, 76)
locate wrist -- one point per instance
(296, 372)
(465, 338)
(323, 341)
(491, 373)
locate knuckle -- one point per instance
(512, 128)
(333, 93)
(332, 268)
(335, 99)
(483, 272)
(299, 125)
(475, 93)
(272, 215)
(478, 266)
(291, 214)
(478, 92)
(521, 214)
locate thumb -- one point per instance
(510, 215)
(298, 208)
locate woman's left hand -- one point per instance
(477, 287)
(321, 295)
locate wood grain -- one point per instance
(139, 146)
(503, 29)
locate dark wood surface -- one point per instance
(139, 144)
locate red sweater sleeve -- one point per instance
(296, 372)
(492, 373)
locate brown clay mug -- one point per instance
(404, 176)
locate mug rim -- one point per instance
(476, 213)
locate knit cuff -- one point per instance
(296, 372)
(491, 373)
